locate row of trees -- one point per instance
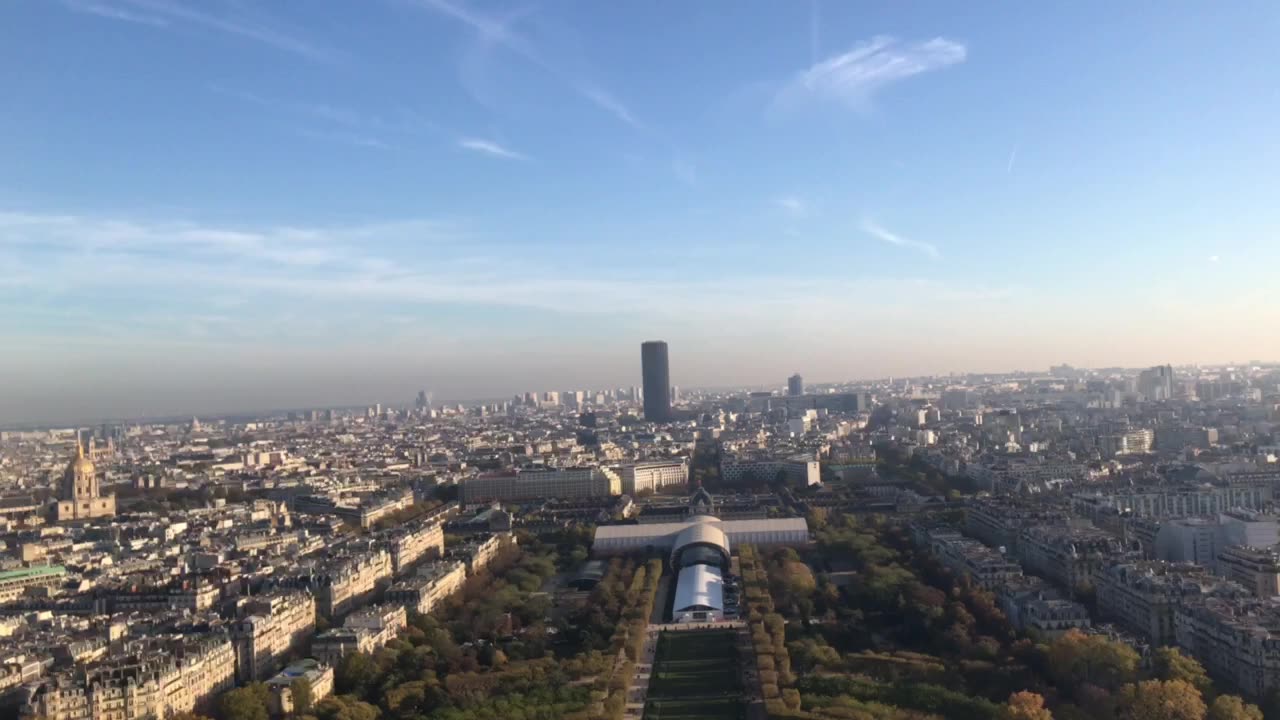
(768, 637)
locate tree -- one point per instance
(1168, 663)
(1076, 659)
(345, 707)
(1231, 707)
(246, 703)
(1025, 706)
(1160, 700)
(300, 693)
(357, 673)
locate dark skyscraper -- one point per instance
(795, 385)
(657, 381)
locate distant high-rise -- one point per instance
(795, 385)
(656, 375)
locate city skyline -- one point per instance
(405, 401)
(216, 208)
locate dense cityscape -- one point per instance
(1070, 543)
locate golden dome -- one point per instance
(81, 465)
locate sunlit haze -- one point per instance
(209, 207)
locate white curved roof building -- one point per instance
(699, 588)
(703, 533)
(622, 539)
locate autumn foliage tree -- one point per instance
(1160, 700)
(1025, 706)
(1168, 663)
(1231, 707)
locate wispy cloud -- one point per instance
(1013, 159)
(873, 229)
(89, 7)
(345, 125)
(163, 13)
(793, 205)
(345, 138)
(82, 260)
(491, 148)
(854, 77)
(494, 32)
(1214, 258)
(611, 105)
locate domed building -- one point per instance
(80, 496)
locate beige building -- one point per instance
(365, 632)
(409, 545)
(352, 582)
(274, 625)
(563, 483)
(653, 476)
(152, 682)
(429, 587)
(80, 496)
(479, 553)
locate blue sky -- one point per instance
(208, 206)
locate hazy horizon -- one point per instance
(221, 207)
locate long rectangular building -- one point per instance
(622, 539)
(559, 483)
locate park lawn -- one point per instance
(695, 664)
(708, 709)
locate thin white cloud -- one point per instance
(346, 138)
(114, 13)
(495, 32)
(1013, 159)
(1214, 258)
(880, 233)
(854, 77)
(793, 205)
(79, 260)
(491, 148)
(166, 12)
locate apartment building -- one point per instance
(409, 545)
(150, 682)
(1256, 568)
(274, 625)
(364, 631)
(476, 554)
(352, 581)
(1144, 595)
(985, 567)
(1033, 605)
(433, 583)
(1064, 555)
(1236, 639)
(999, 522)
